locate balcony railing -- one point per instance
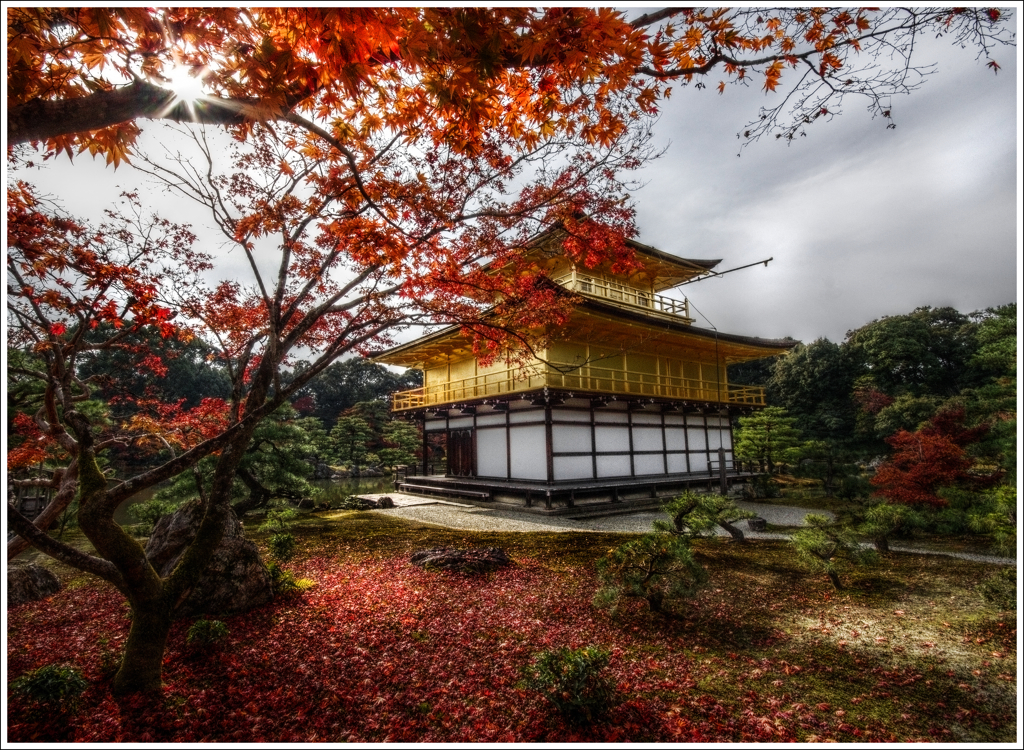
(587, 379)
(620, 294)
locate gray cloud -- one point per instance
(862, 221)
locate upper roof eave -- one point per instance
(402, 355)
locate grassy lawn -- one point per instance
(379, 650)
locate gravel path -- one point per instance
(472, 518)
(461, 516)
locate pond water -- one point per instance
(365, 486)
(122, 516)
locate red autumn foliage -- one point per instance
(33, 445)
(80, 78)
(931, 458)
(381, 651)
(871, 400)
(373, 654)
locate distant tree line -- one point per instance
(340, 418)
(912, 419)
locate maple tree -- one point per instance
(341, 247)
(384, 161)
(81, 77)
(932, 458)
(343, 279)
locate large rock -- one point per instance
(321, 470)
(355, 502)
(29, 583)
(236, 579)
(479, 560)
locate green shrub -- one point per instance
(284, 583)
(761, 487)
(110, 663)
(996, 514)
(696, 514)
(149, 512)
(55, 686)
(205, 633)
(1001, 589)
(657, 567)
(853, 487)
(885, 520)
(282, 547)
(826, 547)
(277, 519)
(355, 503)
(572, 680)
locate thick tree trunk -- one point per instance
(737, 535)
(830, 476)
(152, 598)
(882, 543)
(258, 494)
(142, 665)
(832, 576)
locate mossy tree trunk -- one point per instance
(142, 665)
(152, 599)
(258, 497)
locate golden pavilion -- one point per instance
(629, 402)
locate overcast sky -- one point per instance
(862, 221)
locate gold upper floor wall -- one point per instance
(613, 290)
(583, 368)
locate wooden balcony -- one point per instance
(626, 296)
(586, 379)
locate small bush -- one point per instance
(149, 512)
(277, 519)
(827, 547)
(205, 633)
(282, 547)
(657, 567)
(853, 487)
(284, 583)
(762, 487)
(886, 520)
(55, 686)
(110, 663)
(696, 514)
(1001, 589)
(355, 503)
(572, 680)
